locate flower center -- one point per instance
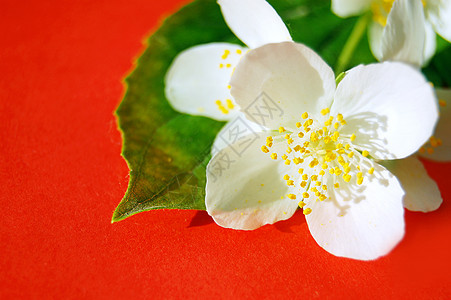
(326, 158)
(381, 8)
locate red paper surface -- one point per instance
(62, 64)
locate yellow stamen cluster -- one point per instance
(430, 146)
(327, 157)
(225, 108)
(380, 9)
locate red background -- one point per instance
(62, 64)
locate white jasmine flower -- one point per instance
(197, 81)
(322, 152)
(402, 30)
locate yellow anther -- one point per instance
(335, 136)
(307, 211)
(347, 169)
(265, 149)
(229, 86)
(290, 141)
(359, 180)
(289, 150)
(325, 111)
(223, 110)
(284, 156)
(350, 154)
(310, 122)
(291, 196)
(287, 136)
(321, 173)
(336, 185)
(230, 104)
(313, 137)
(347, 177)
(281, 129)
(337, 171)
(352, 138)
(218, 102)
(301, 135)
(324, 166)
(430, 150)
(286, 177)
(226, 53)
(298, 124)
(302, 150)
(347, 146)
(339, 117)
(269, 139)
(331, 171)
(301, 204)
(238, 51)
(306, 144)
(318, 183)
(297, 148)
(327, 139)
(304, 115)
(339, 146)
(303, 184)
(433, 141)
(269, 144)
(343, 122)
(371, 171)
(359, 175)
(336, 125)
(307, 129)
(305, 195)
(324, 187)
(313, 189)
(365, 153)
(305, 177)
(442, 102)
(274, 155)
(297, 160)
(313, 163)
(314, 177)
(221, 66)
(290, 182)
(322, 197)
(301, 170)
(287, 161)
(422, 150)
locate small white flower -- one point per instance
(402, 30)
(321, 154)
(197, 82)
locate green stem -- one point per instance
(352, 42)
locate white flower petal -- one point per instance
(254, 22)
(442, 131)
(199, 76)
(291, 78)
(361, 222)
(346, 8)
(422, 193)
(375, 39)
(403, 38)
(235, 130)
(390, 107)
(430, 43)
(439, 14)
(245, 188)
